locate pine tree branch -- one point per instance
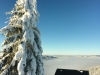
(10, 30)
(12, 39)
(11, 48)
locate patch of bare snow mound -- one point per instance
(94, 70)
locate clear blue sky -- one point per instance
(66, 26)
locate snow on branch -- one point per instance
(3, 59)
(12, 39)
(11, 47)
(10, 29)
(5, 69)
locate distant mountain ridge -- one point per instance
(46, 57)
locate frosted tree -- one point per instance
(22, 46)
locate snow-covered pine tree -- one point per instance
(22, 46)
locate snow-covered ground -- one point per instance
(90, 63)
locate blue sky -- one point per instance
(69, 27)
